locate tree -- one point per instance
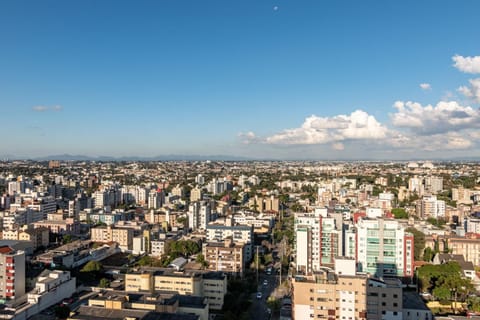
(419, 242)
(428, 254)
(399, 213)
(104, 283)
(201, 260)
(92, 266)
(67, 239)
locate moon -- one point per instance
(275, 8)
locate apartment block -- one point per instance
(318, 240)
(384, 249)
(211, 285)
(12, 273)
(225, 256)
(122, 236)
(325, 294)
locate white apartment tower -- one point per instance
(318, 240)
(384, 248)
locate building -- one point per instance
(468, 248)
(325, 294)
(199, 215)
(12, 273)
(51, 288)
(240, 234)
(318, 240)
(39, 237)
(225, 256)
(384, 249)
(211, 285)
(61, 227)
(384, 299)
(122, 236)
(196, 194)
(430, 207)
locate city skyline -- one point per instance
(244, 79)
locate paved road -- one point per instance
(259, 309)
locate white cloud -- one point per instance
(320, 130)
(40, 108)
(467, 64)
(473, 91)
(425, 86)
(248, 137)
(47, 108)
(445, 116)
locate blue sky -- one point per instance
(261, 78)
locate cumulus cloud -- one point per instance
(443, 117)
(47, 108)
(425, 86)
(467, 64)
(321, 130)
(473, 91)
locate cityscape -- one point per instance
(239, 160)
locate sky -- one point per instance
(261, 79)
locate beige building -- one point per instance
(196, 194)
(122, 236)
(66, 226)
(469, 248)
(211, 285)
(225, 256)
(326, 295)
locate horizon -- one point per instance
(278, 80)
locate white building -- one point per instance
(384, 248)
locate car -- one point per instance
(259, 295)
(265, 282)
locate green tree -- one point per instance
(428, 254)
(67, 239)
(201, 260)
(400, 213)
(92, 266)
(104, 283)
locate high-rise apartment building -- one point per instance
(384, 248)
(318, 240)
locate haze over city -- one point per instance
(250, 79)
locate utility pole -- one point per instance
(257, 266)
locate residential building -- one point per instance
(384, 248)
(12, 273)
(318, 240)
(225, 256)
(122, 236)
(325, 294)
(430, 207)
(240, 234)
